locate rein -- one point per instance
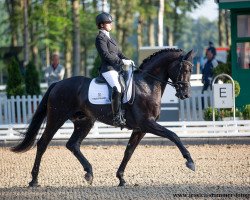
(156, 78)
(168, 82)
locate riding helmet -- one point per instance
(103, 18)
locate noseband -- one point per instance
(178, 82)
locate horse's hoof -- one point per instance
(122, 183)
(89, 178)
(33, 184)
(190, 165)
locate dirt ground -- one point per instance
(154, 172)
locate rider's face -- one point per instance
(107, 26)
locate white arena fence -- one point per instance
(190, 109)
(183, 129)
(19, 110)
(16, 113)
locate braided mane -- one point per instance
(146, 60)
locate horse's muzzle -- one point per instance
(183, 92)
(182, 96)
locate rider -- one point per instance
(112, 61)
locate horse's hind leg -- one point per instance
(132, 144)
(81, 130)
(53, 124)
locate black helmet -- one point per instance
(103, 18)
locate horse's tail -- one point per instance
(36, 122)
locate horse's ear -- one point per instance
(190, 55)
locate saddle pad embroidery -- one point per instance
(99, 94)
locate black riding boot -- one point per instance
(118, 119)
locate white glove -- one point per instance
(132, 63)
(126, 62)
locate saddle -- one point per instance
(100, 91)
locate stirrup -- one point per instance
(119, 121)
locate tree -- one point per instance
(224, 28)
(123, 14)
(95, 70)
(227, 28)
(25, 33)
(76, 37)
(221, 28)
(201, 30)
(32, 81)
(14, 20)
(15, 83)
(176, 13)
(160, 22)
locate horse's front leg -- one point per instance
(150, 126)
(132, 144)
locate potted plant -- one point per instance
(208, 114)
(224, 114)
(227, 114)
(246, 112)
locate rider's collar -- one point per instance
(105, 32)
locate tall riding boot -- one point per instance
(118, 119)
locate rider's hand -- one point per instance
(132, 63)
(126, 62)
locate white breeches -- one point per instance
(112, 78)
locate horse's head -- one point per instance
(180, 75)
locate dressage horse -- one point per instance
(68, 100)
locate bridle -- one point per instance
(178, 82)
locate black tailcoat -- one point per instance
(111, 56)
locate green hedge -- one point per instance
(32, 80)
(15, 82)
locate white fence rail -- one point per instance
(191, 108)
(19, 110)
(182, 129)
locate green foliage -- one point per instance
(208, 114)
(176, 16)
(236, 87)
(95, 70)
(222, 68)
(246, 112)
(15, 83)
(32, 81)
(50, 24)
(225, 68)
(201, 30)
(51, 19)
(228, 112)
(221, 113)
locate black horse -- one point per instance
(68, 99)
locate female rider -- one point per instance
(112, 61)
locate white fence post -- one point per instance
(18, 109)
(5, 104)
(24, 112)
(13, 113)
(29, 107)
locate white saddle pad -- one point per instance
(99, 94)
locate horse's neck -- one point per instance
(155, 87)
(159, 66)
